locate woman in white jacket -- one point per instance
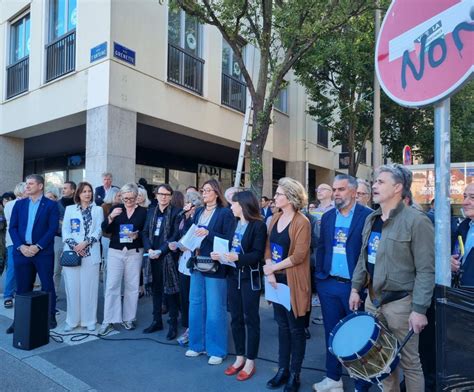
(81, 233)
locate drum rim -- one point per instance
(366, 348)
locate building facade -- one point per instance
(136, 89)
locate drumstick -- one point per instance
(405, 341)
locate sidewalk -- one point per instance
(142, 365)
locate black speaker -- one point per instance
(31, 320)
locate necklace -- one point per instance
(211, 207)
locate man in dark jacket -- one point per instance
(161, 228)
(339, 247)
(464, 265)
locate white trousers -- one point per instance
(122, 265)
(82, 290)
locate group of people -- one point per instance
(351, 255)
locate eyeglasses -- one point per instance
(207, 190)
(361, 193)
(279, 194)
(163, 194)
(127, 199)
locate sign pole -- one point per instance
(442, 155)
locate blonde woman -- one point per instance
(287, 257)
(142, 199)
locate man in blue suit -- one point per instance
(33, 225)
(338, 250)
(102, 191)
(265, 209)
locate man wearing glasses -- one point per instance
(161, 229)
(363, 193)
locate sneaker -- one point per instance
(68, 328)
(105, 329)
(192, 353)
(328, 385)
(128, 325)
(91, 328)
(315, 301)
(183, 340)
(215, 360)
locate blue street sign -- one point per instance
(98, 52)
(123, 53)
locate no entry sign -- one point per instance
(425, 49)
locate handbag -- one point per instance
(205, 264)
(69, 258)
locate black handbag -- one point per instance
(69, 258)
(205, 264)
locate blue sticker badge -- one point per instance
(277, 252)
(340, 239)
(125, 230)
(159, 222)
(237, 243)
(373, 245)
(75, 225)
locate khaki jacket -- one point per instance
(405, 258)
(298, 276)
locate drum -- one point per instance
(364, 347)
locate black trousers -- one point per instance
(184, 285)
(244, 306)
(158, 295)
(291, 336)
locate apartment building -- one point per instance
(134, 88)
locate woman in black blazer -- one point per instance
(244, 283)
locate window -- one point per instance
(63, 17)
(61, 51)
(323, 136)
(281, 102)
(185, 66)
(233, 90)
(18, 69)
(363, 157)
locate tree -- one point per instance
(415, 127)
(282, 32)
(338, 75)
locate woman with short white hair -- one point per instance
(125, 224)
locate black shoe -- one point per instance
(173, 331)
(280, 379)
(293, 383)
(154, 326)
(53, 323)
(307, 334)
(164, 309)
(10, 329)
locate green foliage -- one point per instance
(338, 75)
(282, 32)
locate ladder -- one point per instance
(243, 141)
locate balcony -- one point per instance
(185, 69)
(233, 93)
(17, 77)
(61, 56)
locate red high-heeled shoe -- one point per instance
(244, 376)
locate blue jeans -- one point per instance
(10, 282)
(208, 315)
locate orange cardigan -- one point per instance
(298, 276)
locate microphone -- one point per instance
(195, 203)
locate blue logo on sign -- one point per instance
(98, 52)
(123, 53)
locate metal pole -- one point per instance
(377, 145)
(442, 155)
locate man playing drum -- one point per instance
(397, 262)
